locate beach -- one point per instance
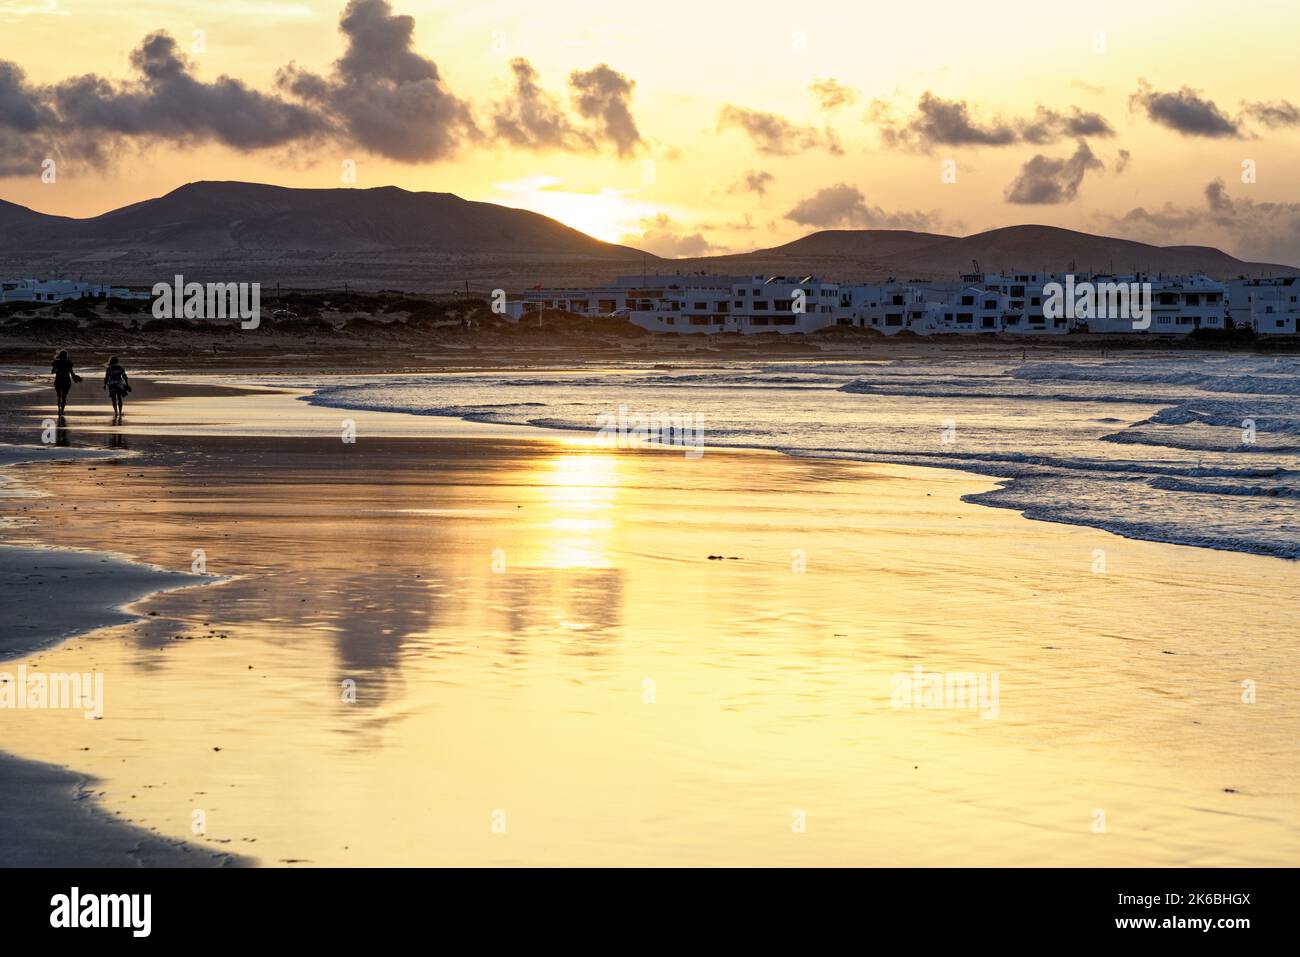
(459, 643)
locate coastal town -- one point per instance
(976, 303)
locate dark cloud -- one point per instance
(1049, 180)
(1048, 126)
(603, 95)
(843, 205)
(754, 181)
(26, 124)
(164, 99)
(383, 95)
(1276, 115)
(21, 105)
(831, 94)
(89, 118)
(1260, 231)
(532, 118)
(940, 122)
(1122, 161)
(1186, 111)
(775, 135)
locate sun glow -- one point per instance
(605, 213)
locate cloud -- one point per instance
(1186, 112)
(164, 99)
(1275, 115)
(1048, 126)
(844, 205)
(831, 94)
(664, 236)
(754, 181)
(1047, 180)
(940, 122)
(1122, 161)
(775, 135)
(381, 96)
(26, 124)
(21, 106)
(387, 98)
(1261, 231)
(602, 94)
(533, 119)
(89, 118)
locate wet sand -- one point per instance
(452, 644)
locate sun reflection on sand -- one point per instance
(573, 486)
(522, 686)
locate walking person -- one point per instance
(117, 384)
(63, 378)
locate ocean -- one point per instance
(1194, 449)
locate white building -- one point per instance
(976, 304)
(1179, 305)
(620, 299)
(1025, 298)
(1269, 306)
(747, 306)
(892, 307)
(57, 290)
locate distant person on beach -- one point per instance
(117, 384)
(63, 378)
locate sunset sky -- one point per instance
(682, 127)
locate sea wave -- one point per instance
(1204, 453)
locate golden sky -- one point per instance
(745, 124)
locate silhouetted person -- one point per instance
(117, 384)
(63, 378)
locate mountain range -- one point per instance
(388, 237)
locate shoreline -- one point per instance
(105, 582)
(53, 819)
(106, 585)
(524, 688)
